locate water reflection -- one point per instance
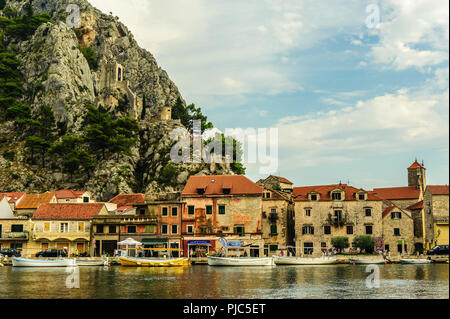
(202, 282)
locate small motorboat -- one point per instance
(24, 262)
(415, 261)
(367, 261)
(229, 261)
(304, 261)
(91, 262)
(152, 262)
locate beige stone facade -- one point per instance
(398, 231)
(436, 216)
(15, 233)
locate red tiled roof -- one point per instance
(415, 165)
(124, 208)
(12, 197)
(68, 211)
(128, 199)
(214, 184)
(387, 211)
(68, 193)
(438, 189)
(283, 180)
(409, 192)
(33, 201)
(416, 206)
(301, 193)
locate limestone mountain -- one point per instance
(64, 89)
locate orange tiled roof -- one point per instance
(301, 193)
(387, 211)
(416, 206)
(68, 211)
(438, 189)
(283, 180)
(415, 165)
(214, 185)
(12, 197)
(128, 199)
(33, 201)
(409, 192)
(68, 193)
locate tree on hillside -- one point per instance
(188, 114)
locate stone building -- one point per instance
(14, 231)
(65, 226)
(324, 212)
(278, 222)
(217, 206)
(71, 196)
(436, 215)
(276, 183)
(398, 231)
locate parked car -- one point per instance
(438, 250)
(52, 253)
(10, 252)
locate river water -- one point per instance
(201, 282)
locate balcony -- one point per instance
(14, 235)
(337, 221)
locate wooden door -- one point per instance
(80, 248)
(44, 246)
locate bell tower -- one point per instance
(417, 176)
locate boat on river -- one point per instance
(82, 263)
(367, 261)
(237, 261)
(280, 260)
(415, 261)
(24, 262)
(153, 262)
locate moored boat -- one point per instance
(91, 262)
(24, 262)
(148, 262)
(279, 260)
(227, 261)
(415, 261)
(367, 261)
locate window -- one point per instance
(209, 210)
(338, 215)
(349, 230)
(203, 230)
(313, 196)
(80, 227)
(191, 210)
(200, 191)
(165, 211)
(174, 211)
(224, 228)
(99, 229)
(308, 248)
(47, 227)
(221, 209)
(150, 229)
(64, 228)
(273, 229)
(142, 212)
(164, 229)
(240, 230)
(17, 246)
(336, 196)
(361, 197)
(327, 230)
(268, 195)
(386, 247)
(273, 247)
(17, 228)
(396, 231)
(368, 212)
(85, 199)
(396, 215)
(308, 212)
(308, 230)
(226, 191)
(131, 229)
(112, 229)
(174, 229)
(369, 230)
(190, 229)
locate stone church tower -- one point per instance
(417, 176)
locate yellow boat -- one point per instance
(144, 262)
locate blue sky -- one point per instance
(351, 103)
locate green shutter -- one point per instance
(164, 211)
(209, 210)
(16, 228)
(221, 210)
(191, 210)
(273, 229)
(150, 229)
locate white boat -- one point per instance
(24, 262)
(304, 261)
(91, 262)
(229, 261)
(415, 261)
(367, 261)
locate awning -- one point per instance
(199, 242)
(147, 241)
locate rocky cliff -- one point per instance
(56, 72)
